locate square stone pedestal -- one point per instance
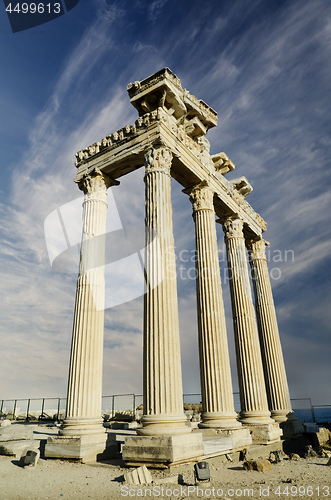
(220, 441)
(162, 450)
(292, 428)
(87, 448)
(265, 433)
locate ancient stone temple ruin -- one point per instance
(169, 140)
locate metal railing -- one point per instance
(54, 408)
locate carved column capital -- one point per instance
(94, 184)
(233, 228)
(201, 197)
(158, 160)
(256, 248)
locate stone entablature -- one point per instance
(125, 148)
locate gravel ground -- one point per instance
(56, 479)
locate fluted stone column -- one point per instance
(215, 373)
(162, 384)
(83, 412)
(253, 398)
(271, 349)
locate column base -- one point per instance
(280, 415)
(218, 420)
(162, 451)
(265, 433)
(73, 426)
(261, 417)
(163, 425)
(86, 448)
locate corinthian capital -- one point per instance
(158, 160)
(256, 248)
(233, 228)
(95, 182)
(201, 197)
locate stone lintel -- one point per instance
(128, 156)
(162, 450)
(87, 448)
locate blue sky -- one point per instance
(265, 67)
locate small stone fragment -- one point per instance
(276, 456)
(259, 465)
(31, 457)
(294, 456)
(310, 452)
(141, 475)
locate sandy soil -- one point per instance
(61, 480)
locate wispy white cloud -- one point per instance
(272, 123)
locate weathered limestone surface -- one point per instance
(254, 405)
(87, 447)
(272, 356)
(162, 449)
(271, 350)
(83, 412)
(163, 395)
(215, 373)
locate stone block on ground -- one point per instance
(259, 465)
(5, 423)
(30, 458)
(323, 436)
(141, 475)
(16, 448)
(15, 432)
(294, 456)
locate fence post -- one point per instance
(134, 406)
(312, 411)
(27, 410)
(14, 418)
(1, 407)
(58, 409)
(42, 408)
(113, 407)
